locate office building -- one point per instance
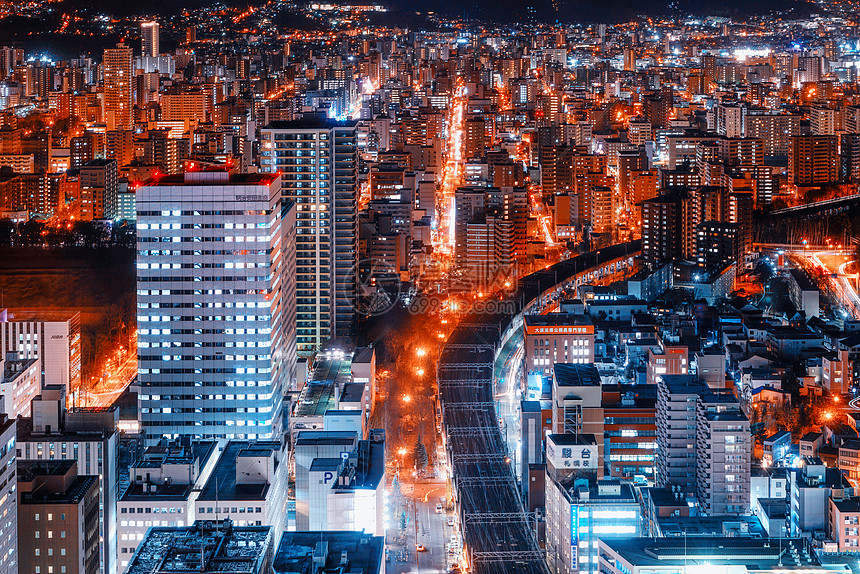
(87, 436)
(118, 75)
(248, 485)
(346, 492)
(577, 403)
(52, 338)
(58, 518)
(582, 512)
(216, 311)
(149, 39)
(557, 338)
(630, 430)
(20, 382)
(219, 546)
(309, 447)
(163, 488)
(317, 160)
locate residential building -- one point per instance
(317, 160)
(118, 75)
(814, 160)
(149, 32)
(703, 444)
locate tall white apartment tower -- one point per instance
(317, 160)
(149, 39)
(216, 305)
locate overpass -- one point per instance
(497, 531)
(835, 204)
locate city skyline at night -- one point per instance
(538, 288)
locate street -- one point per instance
(425, 526)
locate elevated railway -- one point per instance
(498, 533)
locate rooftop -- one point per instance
(576, 375)
(204, 547)
(297, 551)
(222, 483)
(758, 553)
(310, 122)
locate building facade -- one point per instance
(216, 314)
(317, 161)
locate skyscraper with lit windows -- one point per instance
(117, 73)
(317, 160)
(216, 305)
(149, 39)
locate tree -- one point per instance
(420, 454)
(7, 231)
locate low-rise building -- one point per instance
(218, 546)
(248, 485)
(844, 527)
(20, 382)
(739, 555)
(163, 486)
(304, 552)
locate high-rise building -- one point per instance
(813, 160)
(661, 228)
(99, 185)
(730, 120)
(8, 500)
(850, 157)
(58, 518)
(775, 130)
(317, 160)
(117, 72)
(703, 450)
(149, 39)
(216, 302)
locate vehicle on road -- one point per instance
(420, 548)
(450, 521)
(439, 508)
